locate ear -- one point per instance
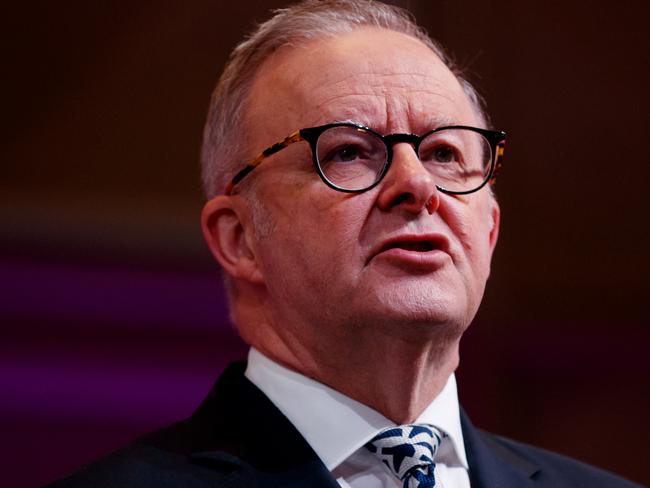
(495, 216)
(229, 236)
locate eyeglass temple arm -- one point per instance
(501, 147)
(278, 146)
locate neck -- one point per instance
(399, 381)
(396, 376)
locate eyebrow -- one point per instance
(430, 123)
(436, 121)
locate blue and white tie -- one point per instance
(409, 451)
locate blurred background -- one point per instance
(112, 317)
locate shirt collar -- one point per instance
(334, 425)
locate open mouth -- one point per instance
(418, 246)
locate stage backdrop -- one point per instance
(112, 316)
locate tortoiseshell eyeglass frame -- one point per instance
(496, 139)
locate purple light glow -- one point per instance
(97, 295)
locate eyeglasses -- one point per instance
(352, 158)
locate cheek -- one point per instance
(337, 220)
(346, 231)
(470, 223)
(317, 236)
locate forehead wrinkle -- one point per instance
(357, 106)
(430, 118)
(381, 82)
(386, 101)
(383, 97)
(380, 114)
(329, 100)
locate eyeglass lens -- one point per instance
(352, 158)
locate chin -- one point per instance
(413, 309)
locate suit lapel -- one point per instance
(491, 464)
(246, 430)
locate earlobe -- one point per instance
(225, 228)
(495, 220)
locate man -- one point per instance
(348, 169)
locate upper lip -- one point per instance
(432, 241)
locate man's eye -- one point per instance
(345, 154)
(443, 154)
(348, 153)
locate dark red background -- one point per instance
(112, 318)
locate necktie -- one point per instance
(409, 451)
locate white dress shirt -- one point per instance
(337, 427)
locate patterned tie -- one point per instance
(409, 451)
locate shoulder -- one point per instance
(145, 466)
(188, 453)
(216, 447)
(554, 469)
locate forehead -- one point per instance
(383, 79)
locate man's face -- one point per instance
(399, 257)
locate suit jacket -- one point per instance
(238, 438)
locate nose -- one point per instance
(408, 185)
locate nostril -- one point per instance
(433, 203)
(403, 198)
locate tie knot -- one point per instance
(409, 451)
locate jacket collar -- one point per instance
(238, 430)
(492, 463)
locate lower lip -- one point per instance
(429, 260)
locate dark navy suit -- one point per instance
(238, 438)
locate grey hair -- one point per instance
(224, 135)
